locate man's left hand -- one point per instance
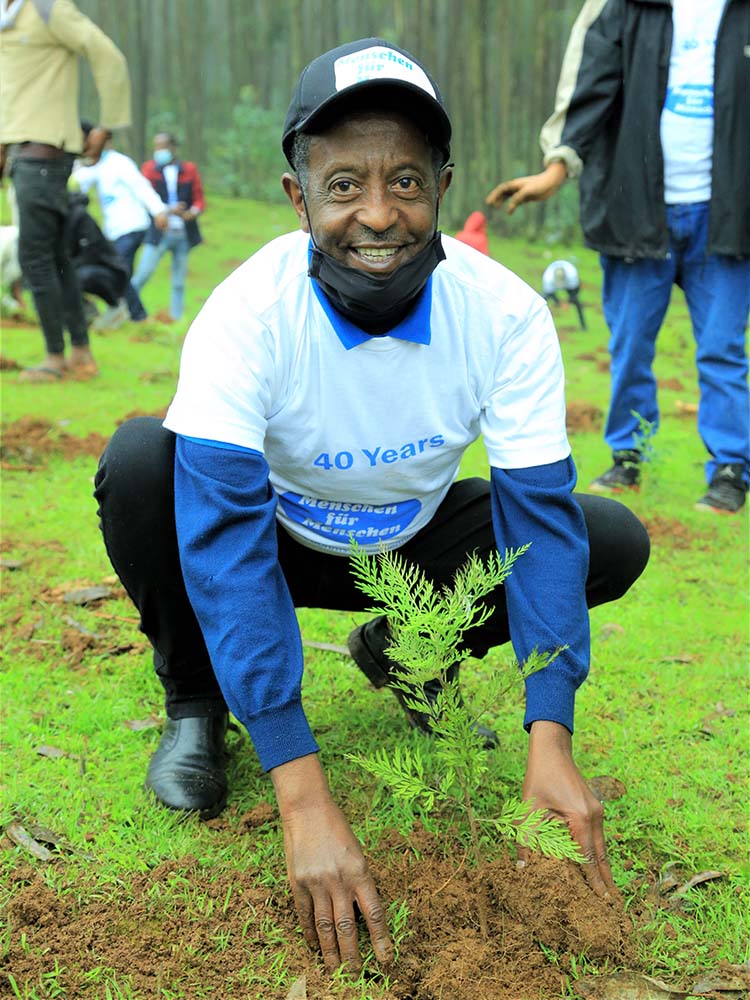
(553, 782)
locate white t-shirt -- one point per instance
(128, 200)
(171, 174)
(365, 440)
(687, 120)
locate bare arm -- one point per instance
(535, 187)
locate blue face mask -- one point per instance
(163, 156)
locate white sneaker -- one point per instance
(113, 317)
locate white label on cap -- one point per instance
(379, 63)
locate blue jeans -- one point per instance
(717, 289)
(152, 253)
(126, 247)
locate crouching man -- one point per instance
(328, 389)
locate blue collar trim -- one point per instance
(415, 327)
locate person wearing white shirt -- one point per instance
(328, 389)
(178, 183)
(128, 204)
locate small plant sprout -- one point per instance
(427, 627)
(644, 436)
(644, 444)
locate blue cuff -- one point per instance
(280, 735)
(550, 696)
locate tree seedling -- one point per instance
(427, 627)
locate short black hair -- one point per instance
(87, 127)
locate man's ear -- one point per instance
(294, 193)
(446, 176)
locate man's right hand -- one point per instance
(535, 187)
(327, 870)
(161, 221)
(95, 143)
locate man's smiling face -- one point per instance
(371, 191)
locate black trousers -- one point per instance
(42, 199)
(135, 492)
(96, 279)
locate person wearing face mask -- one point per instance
(178, 184)
(327, 391)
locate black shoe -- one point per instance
(625, 474)
(726, 492)
(368, 644)
(187, 772)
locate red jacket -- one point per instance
(189, 190)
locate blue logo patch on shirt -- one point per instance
(341, 521)
(692, 100)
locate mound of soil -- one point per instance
(30, 439)
(583, 416)
(163, 933)
(670, 531)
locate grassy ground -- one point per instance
(664, 710)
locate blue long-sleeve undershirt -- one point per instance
(546, 591)
(225, 514)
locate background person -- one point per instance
(128, 204)
(178, 184)
(100, 269)
(289, 434)
(40, 135)
(651, 113)
(562, 276)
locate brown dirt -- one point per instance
(161, 414)
(583, 416)
(150, 935)
(670, 531)
(674, 384)
(163, 932)
(29, 439)
(19, 323)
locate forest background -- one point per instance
(219, 73)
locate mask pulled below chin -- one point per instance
(375, 304)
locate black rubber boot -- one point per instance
(188, 772)
(368, 645)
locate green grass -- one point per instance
(663, 659)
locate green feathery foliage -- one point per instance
(427, 627)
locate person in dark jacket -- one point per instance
(651, 112)
(101, 272)
(178, 184)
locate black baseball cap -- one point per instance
(367, 73)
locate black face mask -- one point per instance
(375, 304)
